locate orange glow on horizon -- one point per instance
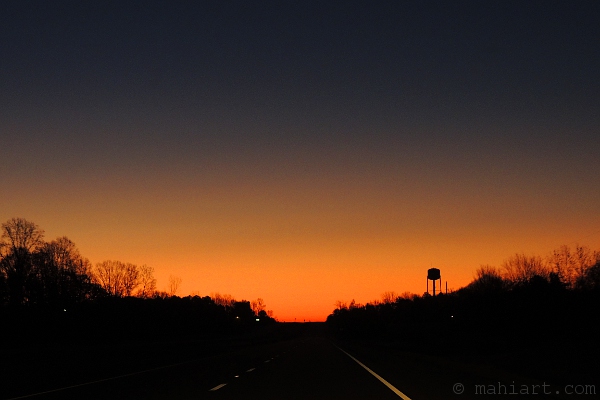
(307, 286)
(301, 245)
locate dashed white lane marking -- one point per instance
(386, 383)
(217, 387)
(251, 369)
(267, 361)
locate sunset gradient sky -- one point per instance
(303, 152)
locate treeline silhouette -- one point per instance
(531, 312)
(50, 293)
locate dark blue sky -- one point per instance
(151, 80)
(307, 60)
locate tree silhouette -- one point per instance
(572, 265)
(487, 279)
(389, 297)
(520, 268)
(225, 300)
(117, 278)
(258, 305)
(62, 272)
(585, 259)
(18, 233)
(35, 272)
(19, 275)
(174, 283)
(591, 277)
(147, 282)
(20, 238)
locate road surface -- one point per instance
(305, 367)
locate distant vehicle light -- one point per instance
(257, 319)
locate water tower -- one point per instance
(433, 274)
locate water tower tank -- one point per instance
(433, 274)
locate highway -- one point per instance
(311, 369)
(304, 367)
(307, 368)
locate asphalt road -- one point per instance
(305, 367)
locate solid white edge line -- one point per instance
(386, 383)
(217, 387)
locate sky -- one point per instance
(303, 152)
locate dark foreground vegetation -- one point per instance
(540, 318)
(50, 293)
(64, 321)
